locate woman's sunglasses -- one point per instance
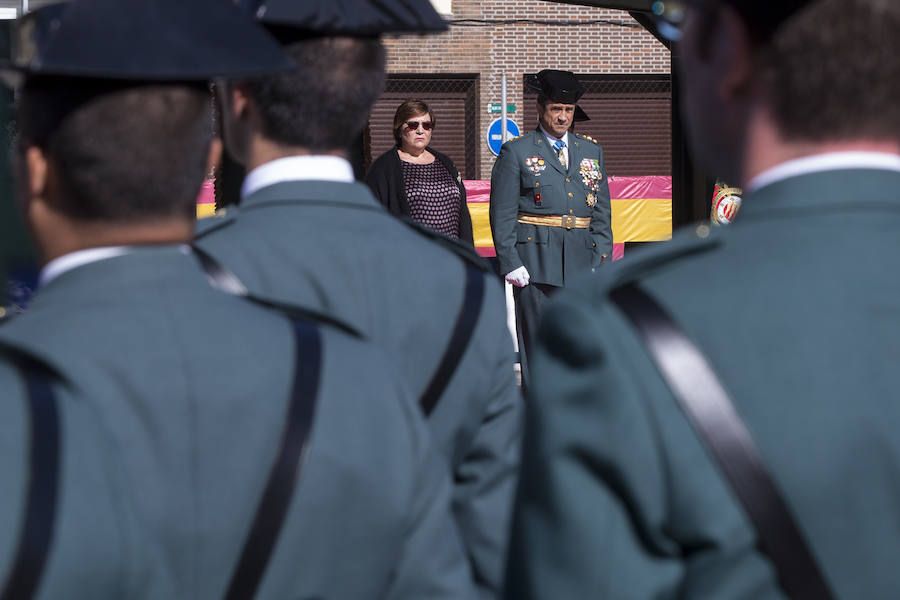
(413, 125)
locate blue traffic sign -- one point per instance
(494, 135)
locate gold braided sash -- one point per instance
(567, 221)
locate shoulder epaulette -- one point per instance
(688, 242)
(222, 218)
(587, 137)
(300, 313)
(462, 249)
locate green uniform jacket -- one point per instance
(797, 307)
(529, 178)
(172, 407)
(331, 247)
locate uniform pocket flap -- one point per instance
(527, 234)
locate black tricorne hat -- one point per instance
(143, 40)
(580, 115)
(358, 18)
(558, 86)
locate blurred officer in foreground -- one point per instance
(306, 234)
(550, 212)
(621, 496)
(165, 456)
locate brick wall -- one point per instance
(489, 51)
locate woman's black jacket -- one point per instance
(385, 177)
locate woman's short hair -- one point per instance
(406, 111)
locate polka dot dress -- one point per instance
(433, 196)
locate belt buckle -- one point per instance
(568, 221)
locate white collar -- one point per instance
(296, 168)
(552, 138)
(828, 161)
(73, 260)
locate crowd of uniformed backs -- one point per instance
(309, 398)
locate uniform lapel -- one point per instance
(575, 152)
(546, 152)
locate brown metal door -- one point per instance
(454, 105)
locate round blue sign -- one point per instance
(494, 135)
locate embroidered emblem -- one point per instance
(535, 164)
(591, 200)
(726, 204)
(591, 174)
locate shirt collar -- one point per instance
(828, 161)
(73, 260)
(296, 168)
(552, 138)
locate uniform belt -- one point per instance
(567, 221)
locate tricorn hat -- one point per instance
(558, 86)
(142, 40)
(358, 18)
(580, 115)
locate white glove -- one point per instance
(518, 277)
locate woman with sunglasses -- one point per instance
(414, 180)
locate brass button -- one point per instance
(571, 211)
(567, 180)
(529, 239)
(570, 194)
(594, 245)
(538, 184)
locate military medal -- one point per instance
(537, 199)
(591, 175)
(535, 164)
(591, 200)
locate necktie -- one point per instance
(560, 147)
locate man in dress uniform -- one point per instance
(170, 440)
(795, 102)
(550, 213)
(306, 234)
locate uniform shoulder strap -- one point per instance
(467, 318)
(276, 498)
(39, 518)
(461, 249)
(463, 329)
(713, 416)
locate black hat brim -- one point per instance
(146, 40)
(356, 18)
